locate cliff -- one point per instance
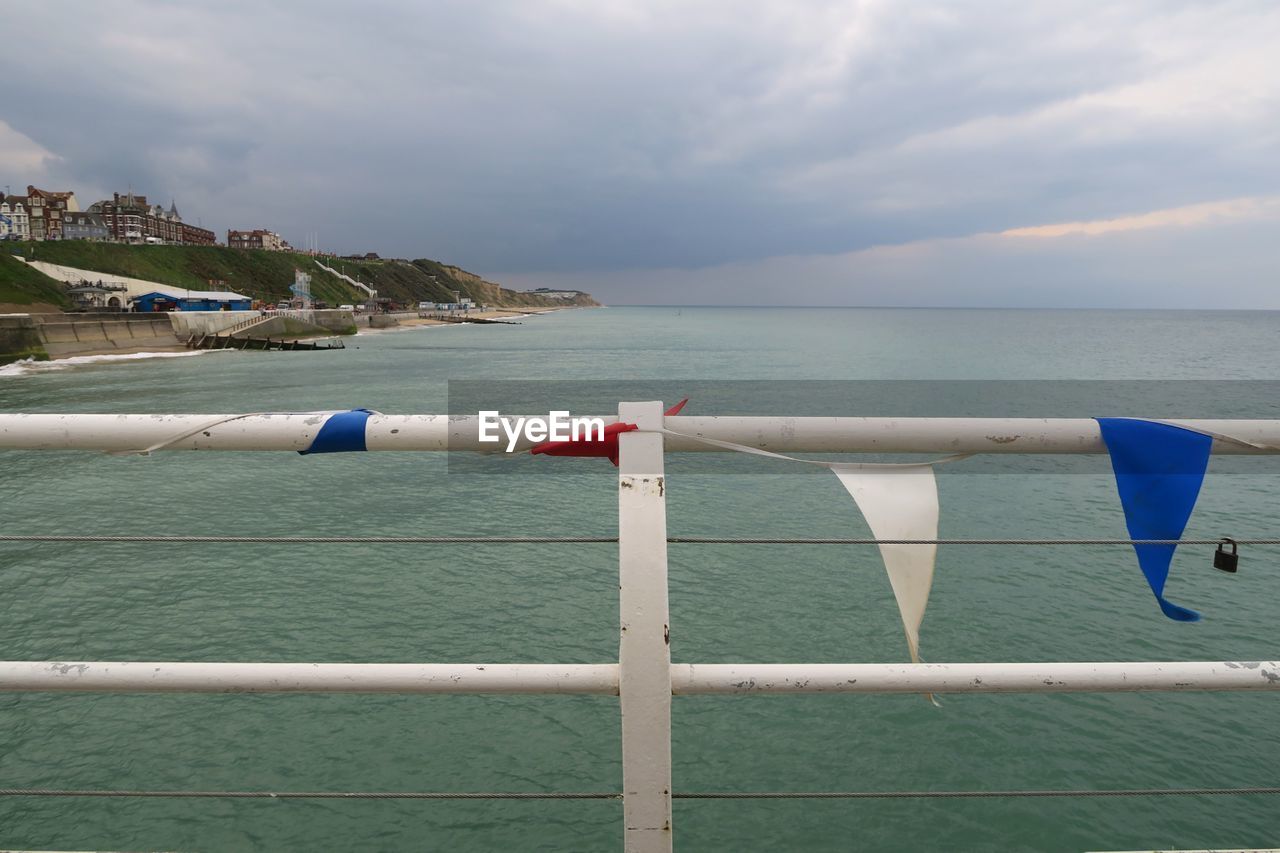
(260, 274)
(26, 290)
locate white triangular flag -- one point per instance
(900, 502)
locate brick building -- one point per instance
(45, 209)
(131, 219)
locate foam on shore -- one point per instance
(410, 325)
(386, 329)
(31, 367)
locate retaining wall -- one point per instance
(188, 323)
(66, 335)
(301, 324)
(19, 339)
(45, 336)
(329, 320)
(384, 321)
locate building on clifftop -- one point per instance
(131, 219)
(45, 209)
(15, 223)
(84, 226)
(256, 239)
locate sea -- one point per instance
(557, 603)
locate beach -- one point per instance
(490, 314)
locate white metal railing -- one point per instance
(295, 431)
(373, 294)
(247, 323)
(643, 678)
(602, 679)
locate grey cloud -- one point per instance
(1214, 265)
(551, 137)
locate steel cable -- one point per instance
(554, 540)
(603, 795)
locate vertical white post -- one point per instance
(644, 647)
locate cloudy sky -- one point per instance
(800, 151)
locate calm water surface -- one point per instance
(558, 604)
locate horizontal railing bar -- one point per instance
(320, 540)
(321, 795)
(199, 677)
(1065, 677)
(569, 540)
(602, 795)
(816, 540)
(602, 679)
(881, 795)
(296, 431)
(943, 435)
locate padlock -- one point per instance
(1227, 561)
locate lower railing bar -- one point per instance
(322, 540)
(755, 540)
(594, 795)
(967, 795)
(196, 677)
(534, 540)
(321, 795)
(602, 679)
(1066, 677)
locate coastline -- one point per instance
(109, 353)
(492, 314)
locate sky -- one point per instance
(1109, 154)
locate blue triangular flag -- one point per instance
(1159, 469)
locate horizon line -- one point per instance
(925, 307)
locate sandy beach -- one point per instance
(494, 314)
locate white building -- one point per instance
(15, 221)
(256, 239)
(553, 294)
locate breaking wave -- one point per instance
(31, 367)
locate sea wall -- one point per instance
(188, 323)
(64, 335)
(45, 336)
(327, 321)
(302, 324)
(385, 321)
(19, 339)
(333, 320)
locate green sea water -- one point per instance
(557, 603)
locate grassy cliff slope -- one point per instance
(21, 286)
(432, 281)
(266, 275)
